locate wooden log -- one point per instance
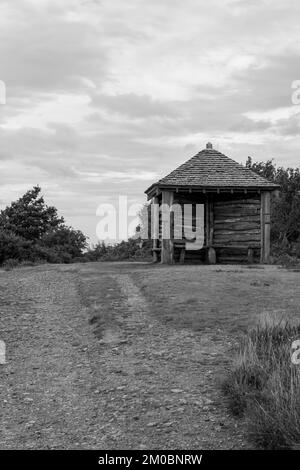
(167, 251)
(237, 201)
(235, 223)
(238, 247)
(233, 247)
(237, 204)
(238, 218)
(237, 210)
(237, 227)
(236, 241)
(241, 209)
(237, 234)
(224, 239)
(255, 202)
(235, 214)
(234, 233)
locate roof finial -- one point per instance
(209, 145)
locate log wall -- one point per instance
(237, 223)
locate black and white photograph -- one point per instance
(149, 232)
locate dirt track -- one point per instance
(88, 366)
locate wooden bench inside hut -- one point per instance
(224, 216)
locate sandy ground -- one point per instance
(125, 356)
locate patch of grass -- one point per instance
(224, 300)
(287, 261)
(10, 264)
(286, 256)
(264, 386)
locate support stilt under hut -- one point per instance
(224, 216)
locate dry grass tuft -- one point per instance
(264, 386)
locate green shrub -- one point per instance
(10, 264)
(264, 385)
(55, 254)
(131, 250)
(28, 263)
(13, 247)
(65, 241)
(286, 255)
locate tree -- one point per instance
(29, 217)
(285, 226)
(30, 231)
(265, 169)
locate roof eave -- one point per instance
(155, 188)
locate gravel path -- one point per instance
(87, 367)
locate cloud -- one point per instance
(43, 52)
(132, 105)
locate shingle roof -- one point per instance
(212, 169)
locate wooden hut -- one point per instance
(234, 213)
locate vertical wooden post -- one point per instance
(155, 227)
(167, 248)
(265, 217)
(209, 223)
(207, 228)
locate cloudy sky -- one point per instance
(106, 96)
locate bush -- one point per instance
(287, 256)
(54, 254)
(14, 247)
(28, 263)
(65, 241)
(131, 250)
(264, 386)
(10, 264)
